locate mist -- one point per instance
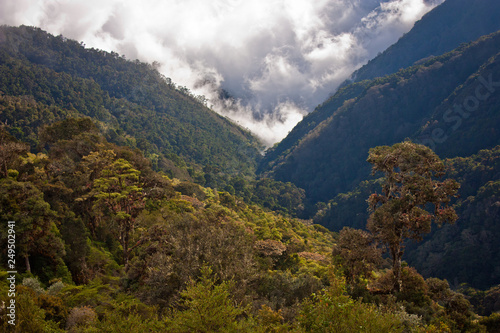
(277, 60)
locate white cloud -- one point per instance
(277, 58)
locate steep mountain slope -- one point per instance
(439, 31)
(133, 102)
(331, 158)
(468, 120)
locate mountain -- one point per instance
(331, 158)
(132, 102)
(106, 244)
(450, 103)
(439, 31)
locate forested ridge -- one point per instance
(439, 31)
(449, 102)
(137, 208)
(134, 104)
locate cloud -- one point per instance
(278, 59)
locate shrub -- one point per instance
(34, 284)
(55, 288)
(80, 317)
(208, 307)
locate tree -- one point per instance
(331, 310)
(35, 230)
(10, 150)
(411, 197)
(117, 194)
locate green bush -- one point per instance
(332, 311)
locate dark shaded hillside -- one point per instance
(469, 250)
(468, 120)
(321, 113)
(439, 31)
(134, 103)
(466, 252)
(331, 159)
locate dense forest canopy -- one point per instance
(108, 244)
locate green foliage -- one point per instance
(190, 189)
(55, 288)
(80, 317)
(332, 311)
(23, 203)
(492, 322)
(66, 130)
(443, 252)
(114, 321)
(285, 289)
(36, 313)
(33, 284)
(347, 209)
(90, 187)
(278, 196)
(117, 195)
(84, 207)
(178, 247)
(207, 307)
(357, 254)
(468, 248)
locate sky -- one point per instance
(277, 59)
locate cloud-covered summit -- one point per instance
(277, 59)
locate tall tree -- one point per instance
(412, 197)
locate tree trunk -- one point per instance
(396, 268)
(125, 247)
(27, 261)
